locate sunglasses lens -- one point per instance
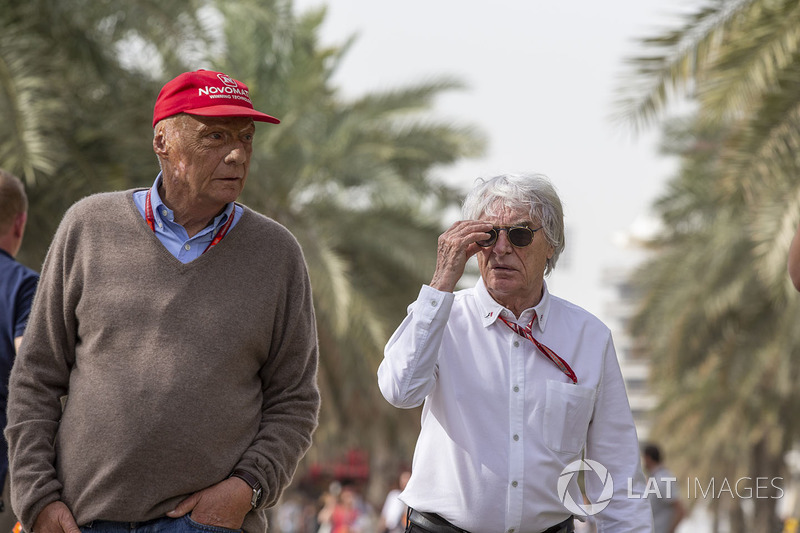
(520, 236)
(490, 241)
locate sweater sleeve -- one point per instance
(291, 397)
(39, 378)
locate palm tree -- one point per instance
(716, 305)
(737, 62)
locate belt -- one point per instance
(433, 523)
(567, 526)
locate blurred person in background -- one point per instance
(17, 288)
(346, 511)
(794, 260)
(664, 495)
(393, 513)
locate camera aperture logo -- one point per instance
(589, 468)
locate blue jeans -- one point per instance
(183, 524)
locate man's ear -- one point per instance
(160, 141)
(19, 225)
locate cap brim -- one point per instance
(232, 111)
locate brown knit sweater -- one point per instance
(176, 374)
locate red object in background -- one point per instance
(353, 466)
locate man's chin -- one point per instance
(503, 276)
(228, 195)
(502, 285)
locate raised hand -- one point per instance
(456, 246)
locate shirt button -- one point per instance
(514, 484)
(516, 389)
(511, 530)
(516, 344)
(160, 225)
(516, 437)
(187, 246)
(164, 212)
(433, 303)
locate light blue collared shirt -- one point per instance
(174, 236)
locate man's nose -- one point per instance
(237, 155)
(502, 245)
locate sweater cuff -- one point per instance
(29, 515)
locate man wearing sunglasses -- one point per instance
(518, 385)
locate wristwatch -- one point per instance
(251, 480)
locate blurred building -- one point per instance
(633, 359)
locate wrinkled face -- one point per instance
(205, 159)
(514, 276)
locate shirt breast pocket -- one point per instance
(568, 409)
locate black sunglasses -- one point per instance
(519, 236)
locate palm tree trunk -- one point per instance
(736, 517)
(767, 467)
(715, 513)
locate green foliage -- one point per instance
(74, 119)
(718, 313)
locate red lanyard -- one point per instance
(550, 354)
(151, 221)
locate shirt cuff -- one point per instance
(432, 302)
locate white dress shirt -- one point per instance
(501, 421)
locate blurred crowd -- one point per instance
(341, 508)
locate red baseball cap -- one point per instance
(208, 94)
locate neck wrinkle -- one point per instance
(518, 306)
(193, 224)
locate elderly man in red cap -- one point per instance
(168, 377)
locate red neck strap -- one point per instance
(151, 221)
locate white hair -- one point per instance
(521, 192)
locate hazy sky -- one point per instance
(542, 77)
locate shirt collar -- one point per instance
(490, 310)
(164, 213)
